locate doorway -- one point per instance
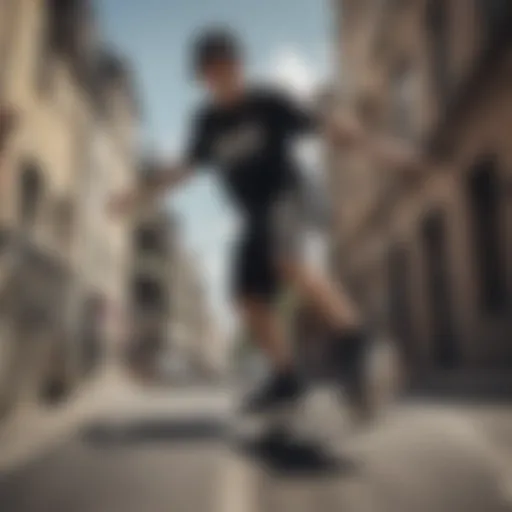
(439, 297)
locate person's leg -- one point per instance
(343, 317)
(256, 287)
(333, 304)
(267, 330)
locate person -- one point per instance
(246, 133)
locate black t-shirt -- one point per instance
(249, 144)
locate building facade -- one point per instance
(52, 73)
(172, 328)
(193, 330)
(104, 244)
(429, 254)
(154, 242)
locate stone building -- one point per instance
(171, 323)
(429, 254)
(104, 244)
(192, 326)
(154, 244)
(54, 73)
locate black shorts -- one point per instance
(267, 237)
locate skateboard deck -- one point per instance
(322, 414)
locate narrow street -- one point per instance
(126, 449)
(183, 202)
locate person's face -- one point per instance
(223, 79)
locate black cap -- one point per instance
(215, 44)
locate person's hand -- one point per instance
(121, 204)
(345, 129)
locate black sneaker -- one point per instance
(352, 349)
(280, 390)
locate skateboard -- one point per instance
(323, 410)
(311, 429)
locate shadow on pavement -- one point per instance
(144, 431)
(277, 452)
(287, 457)
(472, 389)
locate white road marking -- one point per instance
(35, 429)
(238, 484)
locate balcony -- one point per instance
(69, 25)
(152, 253)
(151, 242)
(35, 286)
(149, 294)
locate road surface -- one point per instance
(137, 451)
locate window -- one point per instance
(437, 23)
(497, 16)
(487, 226)
(403, 100)
(9, 10)
(148, 240)
(58, 37)
(444, 344)
(62, 15)
(44, 62)
(400, 317)
(31, 191)
(148, 293)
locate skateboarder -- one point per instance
(246, 133)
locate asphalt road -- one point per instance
(143, 453)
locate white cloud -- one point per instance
(225, 229)
(214, 264)
(309, 154)
(291, 70)
(316, 250)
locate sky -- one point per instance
(287, 41)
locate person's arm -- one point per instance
(348, 133)
(165, 180)
(197, 154)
